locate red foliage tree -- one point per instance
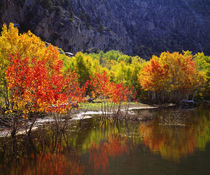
(37, 88)
(102, 86)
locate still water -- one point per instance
(175, 141)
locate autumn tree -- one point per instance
(127, 74)
(39, 87)
(110, 92)
(25, 45)
(203, 65)
(83, 65)
(171, 77)
(33, 78)
(121, 68)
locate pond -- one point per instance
(175, 141)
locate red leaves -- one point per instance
(116, 92)
(40, 86)
(35, 87)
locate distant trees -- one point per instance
(121, 68)
(168, 78)
(83, 65)
(203, 65)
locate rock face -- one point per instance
(135, 27)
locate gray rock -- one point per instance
(142, 27)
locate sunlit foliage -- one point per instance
(36, 89)
(203, 64)
(111, 75)
(172, 76)
(32, 75)
(83, 65)
(121, 68)
(116, 92)
(25, 45)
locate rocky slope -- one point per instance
(142, 27)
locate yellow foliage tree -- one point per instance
(83, 65)
(25, 45)
(172, 76)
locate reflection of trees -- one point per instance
(52, 151)
(99, 130)
(51, 164)
(100, 154)
(174, 138)
(172, 143)
(45, 152)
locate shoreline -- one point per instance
(86, 114)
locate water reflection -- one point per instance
(100, 154)
(41, 154)
(91, 146)
(49, 151)
(177, 134)
(50, 163)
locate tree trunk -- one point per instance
(6, 95)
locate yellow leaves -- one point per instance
(26, 45)
(93, 94)
(8, 112)
(25, 116)
(171, 72)
(11, 43)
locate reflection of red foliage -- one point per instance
(52, 164)
(100, 154)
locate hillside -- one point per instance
(135, 27)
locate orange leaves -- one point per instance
(36, 88)
(170, 72)
(153, 75)
(29, 84)
(120, 93)
(99, 84)
(72, 88)
(102, 86)
(35, 75)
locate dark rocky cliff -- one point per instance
(142, 27)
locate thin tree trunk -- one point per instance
(6, 96)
